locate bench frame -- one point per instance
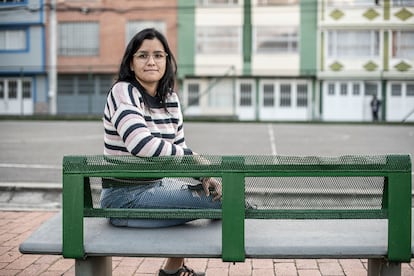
(396, 170)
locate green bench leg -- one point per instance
(381, 267)
(92, 266)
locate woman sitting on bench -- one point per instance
(142, 117)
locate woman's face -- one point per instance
(148, 64)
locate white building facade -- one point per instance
(290, 60)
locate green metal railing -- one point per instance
(395, 170)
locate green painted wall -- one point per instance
(247, 38)
(186, 37)
(308, 37)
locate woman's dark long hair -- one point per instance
(167, 82)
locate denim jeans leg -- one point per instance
(168, 193)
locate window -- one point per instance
(277, 2)
(86, 84)
(331, 89)
(1, 89)
(133, 27)
(403, 3)
(302, 95)
(371, 89)
(78, 39)
(65, 85)
(285, 95)
(353, 43)
(356, 89)
(218, 40)
(193, 94)
(276, 40)
(221, 95)
(246, 94)
(410, 90)
(343, 89)
(217, 2)
(12, 1)
(105, 83)
(13, 40)
(402, 44)
(12, 89)
(27, 89)
(396, 90)
(268, 95)
(350, 3)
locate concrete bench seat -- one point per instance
(202, 238)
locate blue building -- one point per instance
(23, 70)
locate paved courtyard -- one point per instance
(31, 156)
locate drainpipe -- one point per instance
(52, 74)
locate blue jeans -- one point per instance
(165, 193)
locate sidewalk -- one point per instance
(16, 226)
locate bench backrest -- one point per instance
(394, 171)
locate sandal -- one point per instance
(183, 271)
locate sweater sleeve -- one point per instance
(128, 118)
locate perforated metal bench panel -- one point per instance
(202, 238)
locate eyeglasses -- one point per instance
(157, 56)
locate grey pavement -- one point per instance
(32, 151)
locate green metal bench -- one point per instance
(319, 195)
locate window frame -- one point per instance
(24, 45)
(397, 45)
(209, 43)
(70, 45)
(286, 35)
(334, 44)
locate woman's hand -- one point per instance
(213, 184)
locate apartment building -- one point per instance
(298, 60)
(92, 36)
(251, 59)
(366, 48)
(23, 69)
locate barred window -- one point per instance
(78, 39)
(12, 89)
(193, 94)
(268, 95)
(65, 85)
(371, 89)
(410, 90)
(331, 89)
(86, 84)
(246, 94)
(343, 89)
(396, 90)
(27, 89)
(105, 83)
(302, 95)
(285, 95)
(356, 89)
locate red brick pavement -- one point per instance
(16, 226)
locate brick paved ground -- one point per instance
(15, 227)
